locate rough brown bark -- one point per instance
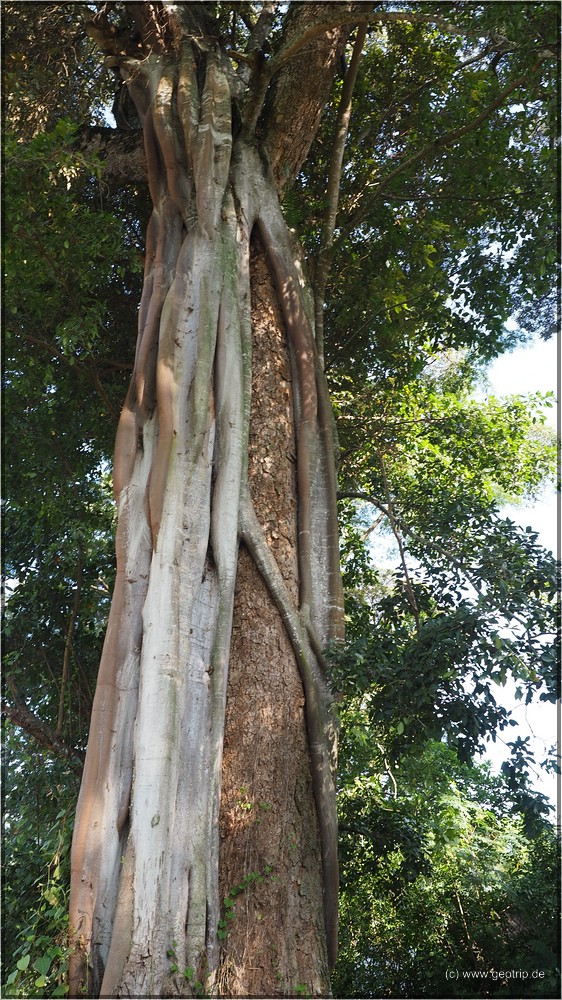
(276, 939)
(122, 153)
(301, 89)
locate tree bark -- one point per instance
(275, 939)
(122, 153)
(301, 88)
(205, 844)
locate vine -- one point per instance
(252, 878)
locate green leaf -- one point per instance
(43, 964)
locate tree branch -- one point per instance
(451, 137)
(407, 530)
(424, 543)
(332, 192)
(249, 60)
(301, 88)
(69, 636)
(341, 18)
(46, 737)
(262, 27)
(398, 536)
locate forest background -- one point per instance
(442, 260)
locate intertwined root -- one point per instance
(153, 767)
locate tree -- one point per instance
(225, 463)
(192, 480)
(36, 867)
(441, 881)
(473, 599)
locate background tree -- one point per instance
(421, 263)
(440, 880)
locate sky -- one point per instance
(528, 369)
(533, 368)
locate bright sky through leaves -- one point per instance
(529, 369)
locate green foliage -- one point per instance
(189, 974)
(36, 860)
(252, 878)
(438, 244)
(49, 64)
(440, 880)
(472, 601)
(64, 249)
(71, 281)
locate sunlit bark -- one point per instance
(146, 857)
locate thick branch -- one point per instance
(121, 151)
(152, 26)
(352, 17)
(301, 86)
(23, 717)
(262, 27)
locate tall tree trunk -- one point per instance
(268, 822)
(205, 844)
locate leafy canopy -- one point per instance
(445, 232)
